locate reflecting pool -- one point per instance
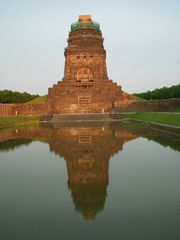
(89, 181)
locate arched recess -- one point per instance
(84, 78)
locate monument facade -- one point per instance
(85, 86)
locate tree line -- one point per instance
(161, 93)
(8, 96)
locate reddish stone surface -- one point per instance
(7, 109)
(23, 109)
(167, 105)
(85, 86)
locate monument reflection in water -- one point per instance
(87, 152)
(39, 164)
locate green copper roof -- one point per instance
(85, 25)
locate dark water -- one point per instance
(89, 182)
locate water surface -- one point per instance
(101, 181)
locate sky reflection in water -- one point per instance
(123, 180)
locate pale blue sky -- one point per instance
(142, 40)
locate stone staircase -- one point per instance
(64, 98)
(85, 117)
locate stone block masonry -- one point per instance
(23, 109)
(167, 105)
(85, 87)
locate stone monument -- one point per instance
(85, 86)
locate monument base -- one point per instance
(81, 117)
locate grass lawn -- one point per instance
(38, 100)
(137, 98)
(163, 118)
(17, 120)
(177, 109)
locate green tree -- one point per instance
(8, 96)
(161, 93)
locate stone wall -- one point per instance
(166, 105)
(7, 109)
(24, 109)
(32, 109)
